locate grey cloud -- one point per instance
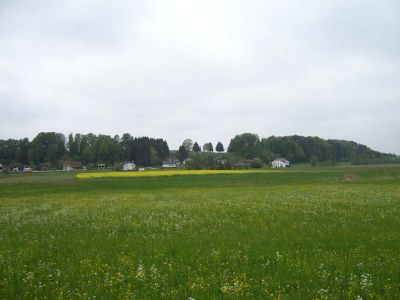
(202, 69)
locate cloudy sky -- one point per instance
(202, 69)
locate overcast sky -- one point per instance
(202, 69)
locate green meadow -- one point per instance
(301, 233)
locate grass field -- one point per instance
(323, 233)
(159, 173)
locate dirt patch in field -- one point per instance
(393, 177)
(371, 166)
(349, 177)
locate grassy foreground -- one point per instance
(297, 234)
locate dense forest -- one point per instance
(300, 149)
(49, 150)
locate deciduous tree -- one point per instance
(188, 144)
(208, 147)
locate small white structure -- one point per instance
(168, 164)
(128, 166)
(1, 167)
(280, 163)
(221, 161)
(27, 169)
(67, 168)
(187, 161)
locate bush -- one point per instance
(257, 163)
(327, 163)
(314, 160)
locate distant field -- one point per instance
(158, 173)
(302, 233)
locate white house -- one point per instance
(280, 163)
(168, 164)
(128, 166)
(27, 169)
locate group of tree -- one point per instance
(207, 147)
(144, 151)
(188, 147)
(50, 149)
(304, 149)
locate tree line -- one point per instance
(50, 149)
(300, 149)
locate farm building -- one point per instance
(128, 166)
(167, 164)
(22, 168)
(280, 163)
(27, 169)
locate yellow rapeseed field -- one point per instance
(157, 173)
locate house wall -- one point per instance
(279, 164)
(128, 167)
(169, 166)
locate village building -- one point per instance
(170, 164)
(280, 163)
(26, 169)
(129, 166)
(22, 168)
